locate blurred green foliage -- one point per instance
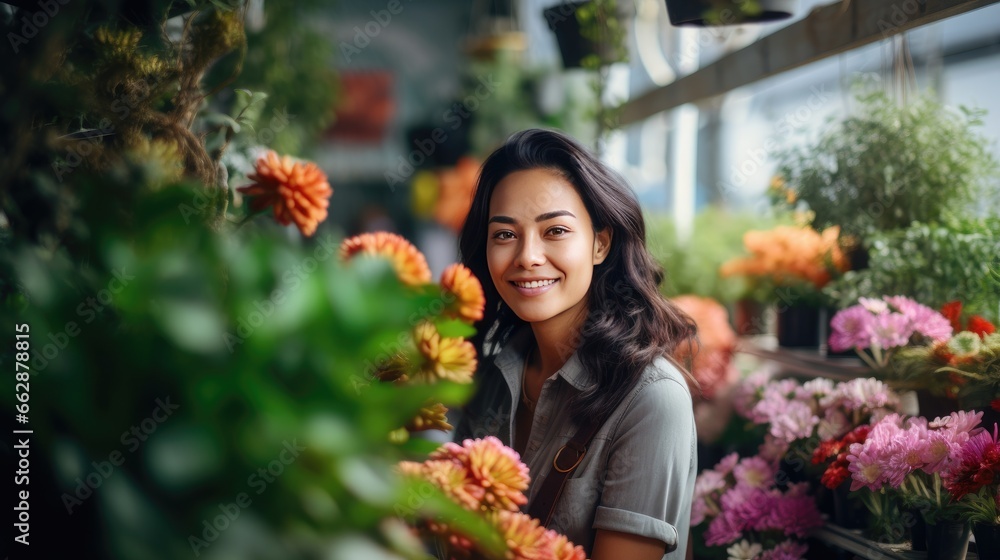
(891, 164)
(932, 263)
(717, 236)
(260, 343)
(197, 389)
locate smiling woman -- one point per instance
(575, 342)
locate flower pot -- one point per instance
(948, 540)
(918, 529)
(848, 513)
(573, 46)
(749, 318)
(987, 540)
(799, 326)
(932, 406)
(692, 13)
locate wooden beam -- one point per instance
(826, 31)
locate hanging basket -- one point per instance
(573, 46)
(728, 12)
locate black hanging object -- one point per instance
(691, 13)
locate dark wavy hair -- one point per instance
(629, 323)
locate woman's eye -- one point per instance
(503, 235)
(558, 230)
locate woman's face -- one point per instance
(541, 248)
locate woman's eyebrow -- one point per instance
(539, 218)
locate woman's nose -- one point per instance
(531, 253)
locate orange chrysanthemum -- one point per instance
(432, 417)
(526, 539)
(299, 192)
(459, 282)
(563, 549)
(408, 262)
(789, 254)
(445, 359)
(453, 479)
(499, 470)
(458, 185)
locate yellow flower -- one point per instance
(430, 418)
(445, 359)
(458, 281)
(409, 263)
(424, 193)
(299, 192)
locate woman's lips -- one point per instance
(533, 291)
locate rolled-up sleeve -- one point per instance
(651, 461)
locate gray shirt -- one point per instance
(639, 471)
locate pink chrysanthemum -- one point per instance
(978, 464)
(788, 550)
(890, 330)
(754, 472)
(851, 328)
(923, 319)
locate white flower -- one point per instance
(743, 550)
(874, 306)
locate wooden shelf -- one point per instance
(805, 363)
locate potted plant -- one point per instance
(793, 263)
(934, 453)
(933, 263)
(884, 168)
(589, 33)
(728, 12)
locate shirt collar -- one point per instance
(510, 362)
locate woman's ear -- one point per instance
(602, 245)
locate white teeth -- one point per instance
(534, 284)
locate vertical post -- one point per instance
(684, 141)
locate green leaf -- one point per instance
(454, 328)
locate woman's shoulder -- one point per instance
(664, 378)
(660, 398)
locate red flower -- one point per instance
(838, 472)
(980, 326)
(953, 312)
(835, 474)
(979, 461)
(995, 404)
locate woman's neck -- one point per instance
(555, 340)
